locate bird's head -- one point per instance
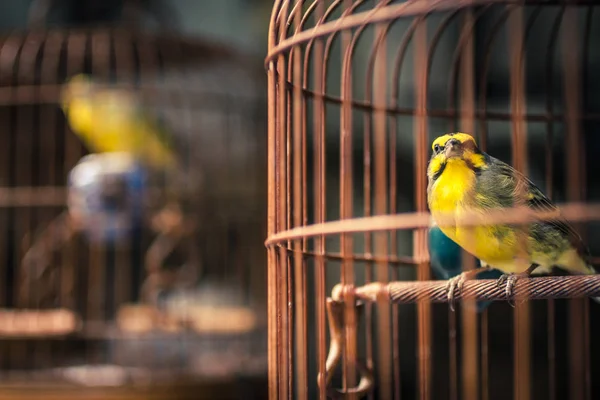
(77, 87)
(76, 103)
(459, 148)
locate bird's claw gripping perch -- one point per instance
(455, 284)
(510, 280)
(335, 316)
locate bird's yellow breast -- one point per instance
(99, 130)
(452, 187)
(449, 192)
(454, 193)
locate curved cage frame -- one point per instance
(357, 91)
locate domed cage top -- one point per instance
(358, 91)
(169, 300)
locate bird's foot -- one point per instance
(510, 280)
(502, 280)
(455, 285)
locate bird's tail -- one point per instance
(575, 263)
(592, 271)
(587, 269)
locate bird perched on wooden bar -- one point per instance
(109, 119)
(445, 257)
(462, 180)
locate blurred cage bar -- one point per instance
(358, 90)
(76, 316)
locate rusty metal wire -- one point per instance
(33, 197)
(511, 215)
(542, 288)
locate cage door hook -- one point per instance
(335, 316)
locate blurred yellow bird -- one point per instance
(464, 179)
(113, 120)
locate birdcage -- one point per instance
(161, 305)
(358, 90)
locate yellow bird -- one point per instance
(113, 120)
(463, 179)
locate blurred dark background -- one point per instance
(240, 23)
(202, 64)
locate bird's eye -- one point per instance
(437, 148)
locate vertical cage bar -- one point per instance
(549, 181)
(452, 317)
(8, 53)
(584, 68)
(286, 385)
(393, 189)
(272, 324)
(484, 320)
(393, 199)
(346, 203)
(124, 70)
(485, 357)
(320, 73)
(300, 334)
(453, 355)
(287, 173)
(273, 268)
(124, 63)
(98, 260)
(24, 159)
(148, 62)
(24, 175)
(470, 337)
(384, 367)
(368, 211)
(5, 152)
(522, 328)
(48, 148)
(572, 83)
(75, 53)
(368, 237)
(282, 282)
(420, 236)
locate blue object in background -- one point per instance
(446, 260)
(107, 195)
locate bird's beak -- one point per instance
(453, 149)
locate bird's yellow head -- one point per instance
(76, 87)
(77, 105)
(459, 148)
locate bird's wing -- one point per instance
(534, 198)
(145, 126)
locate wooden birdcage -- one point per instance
(358, 90)
(75, 314)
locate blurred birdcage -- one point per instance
(358, 90)
(171, 305)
